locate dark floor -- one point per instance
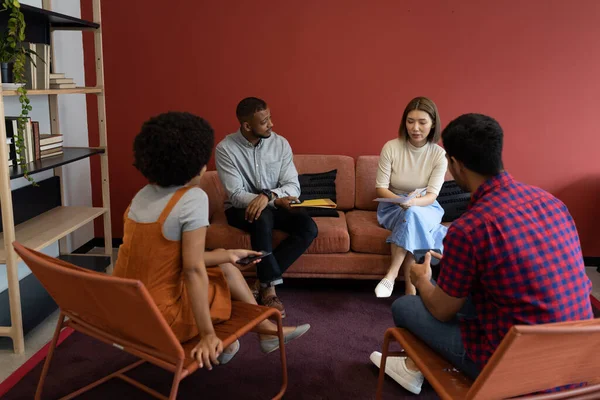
(330, 362)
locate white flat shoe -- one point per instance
(384, 288)
(395, 367)
(224, 357)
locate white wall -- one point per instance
(68, 50)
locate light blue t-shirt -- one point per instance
(190, 212)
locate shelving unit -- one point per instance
(57, 223)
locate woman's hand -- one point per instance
(406, 205)
(237, 254)
(207, 350)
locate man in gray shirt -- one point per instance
(257, 169)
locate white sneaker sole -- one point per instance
(376, 359)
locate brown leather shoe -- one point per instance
(274, 302)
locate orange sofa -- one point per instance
(351, 246)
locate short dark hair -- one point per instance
(476, 141)
(172, 148)
(248, 107)
(427, 105)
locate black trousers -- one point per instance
(298, 224)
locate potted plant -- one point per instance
(13, 52)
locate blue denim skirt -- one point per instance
(414, 228)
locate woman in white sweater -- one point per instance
(410, 162)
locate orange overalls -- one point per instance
(156, 261)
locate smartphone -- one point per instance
(249, 259)
(420, 256)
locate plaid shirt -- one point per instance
(516, 252)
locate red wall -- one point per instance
(337, 75)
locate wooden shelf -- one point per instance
(50, 226)
(70, 154)
(56, 20)
(45, 92)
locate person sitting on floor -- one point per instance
(512, 258)
(256, 167)
(164, 236)
(412, 160)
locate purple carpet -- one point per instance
(330, 362)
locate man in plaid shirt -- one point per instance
(513, 258)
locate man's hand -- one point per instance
(207, 350)
(256, 207)
(238, 254)
(421, 271)
(284, 202)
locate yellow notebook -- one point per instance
(320, 203)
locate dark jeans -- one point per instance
(443, 337)
(298, 224)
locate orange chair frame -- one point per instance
(121, 312)
(530, 359)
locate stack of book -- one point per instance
(50, 145)
(59, 81)
(37, 146)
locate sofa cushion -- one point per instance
(453, 200)
(318, 186)
(366, 235)
(333, 235)
(344, 182)
(366, 174)
(211, 184)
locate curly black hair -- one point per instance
(249, 106)
(172, 148)
(475, 140)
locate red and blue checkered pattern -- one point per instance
(516, 251)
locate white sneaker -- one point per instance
(384, 288)
(395, 367)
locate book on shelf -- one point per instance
(63, 86)
(31, 67)
(58, 153)
(29, 142)
(51, 151)
(35, 127)
(12, 127)
(50, 146)
(61, 80)
(47, 138)
(57, 75)
(37, 67)
(43, 68)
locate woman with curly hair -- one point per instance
(164, 237)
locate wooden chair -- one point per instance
(120, 312)
(530, 359)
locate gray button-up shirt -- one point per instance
(245, 169)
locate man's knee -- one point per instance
(403, 310)
(307, 228)
(264, 221)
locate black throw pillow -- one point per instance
(318, 186)
(453, 200)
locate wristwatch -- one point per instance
(270, 195)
